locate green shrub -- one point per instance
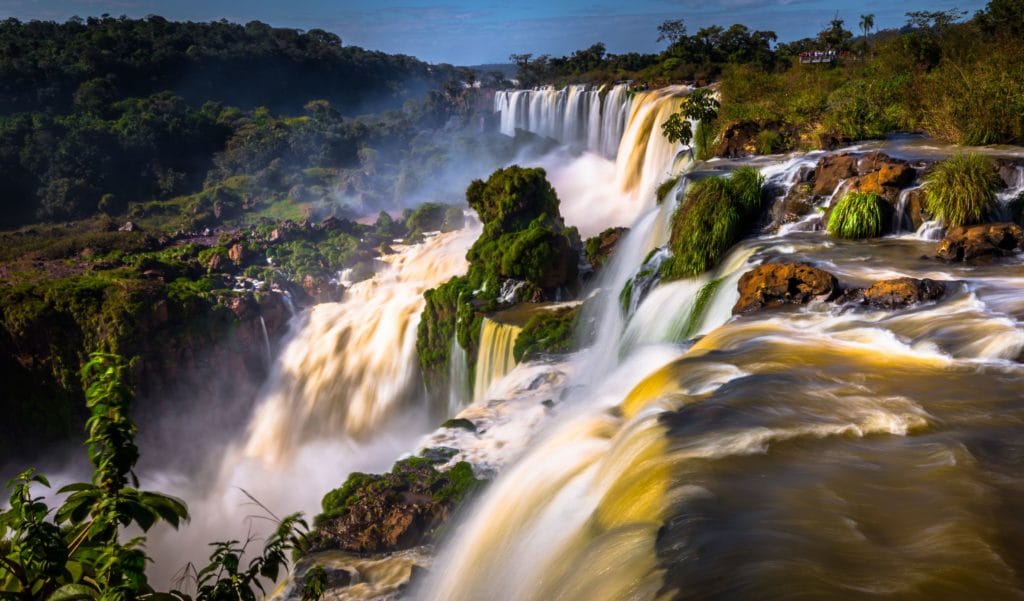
(718, 211)
(856, 216)
(962, 189)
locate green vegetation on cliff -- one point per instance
(961, 190)
(716, 214)
(547, 332)
(856, 216)
(524, 244)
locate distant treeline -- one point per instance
(96, 114)
(52, 67)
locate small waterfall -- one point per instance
(266, 342)
(351, 365)
(645, 157)
(458, 376)
(495, 358)
(901, 208)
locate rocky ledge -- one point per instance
(776, 284)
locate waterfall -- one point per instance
(351, 365)
(495, 358)
(577, 115)
(266, 342)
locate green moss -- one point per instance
(661, 193)
(700, 306)
(856, 216)
(962, 189)
(548, 332)
(414, 474)
(718, 211)
(432, 217)
(456, 424)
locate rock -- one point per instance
(216, 263)
(914, 214)
(1010, 172)
(985, 241)
(902, 292)
(439, 454)
(799, 201)
(831, 170)
(601, 247)
(738, 140)
(394, 511)
(127, 227)
(277, 235)
(460, 423)
(775, 284)
(887, 180)
(237, 253)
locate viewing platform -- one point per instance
(825, 56)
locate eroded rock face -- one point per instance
(601, 247)
(776, 284)
(980, 242)
(903, 292)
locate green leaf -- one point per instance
(73, 592)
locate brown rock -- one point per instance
(914, 214)
(799, 201)
(216, 263)
(738, 140)
(774, 284)
(831, 170)
(236, 253)
(903, 292)
(983, 241)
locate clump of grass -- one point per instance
(718, 211)
(856, 216)
(962, 189)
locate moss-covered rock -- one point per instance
(394, 511)
(601, 247)
(546, 333)
(717, 212)
(524, 242)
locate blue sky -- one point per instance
(485, 31)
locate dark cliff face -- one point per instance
(208, 360)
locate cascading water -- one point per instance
(576, 115)
(804, 453)
(353, 363)
(495, 358)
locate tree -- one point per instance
(672, 30)
(867, 23)
(835, 36)
(700, 105)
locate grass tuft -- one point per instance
(856, 216)
(962, 189)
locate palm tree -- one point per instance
(867, 23)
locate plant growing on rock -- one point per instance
(717, 212)
(962, 189)
(856, 216)
(701, 106)
(547, 332)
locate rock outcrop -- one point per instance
(902, 292)
(980, 242)
(775, 284)
(391, 512)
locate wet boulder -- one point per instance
(980, 242)
(738, 139)
(775, 284)
(831, 170)
(902, 292)
(883, 175)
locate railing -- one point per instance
(824, 56)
